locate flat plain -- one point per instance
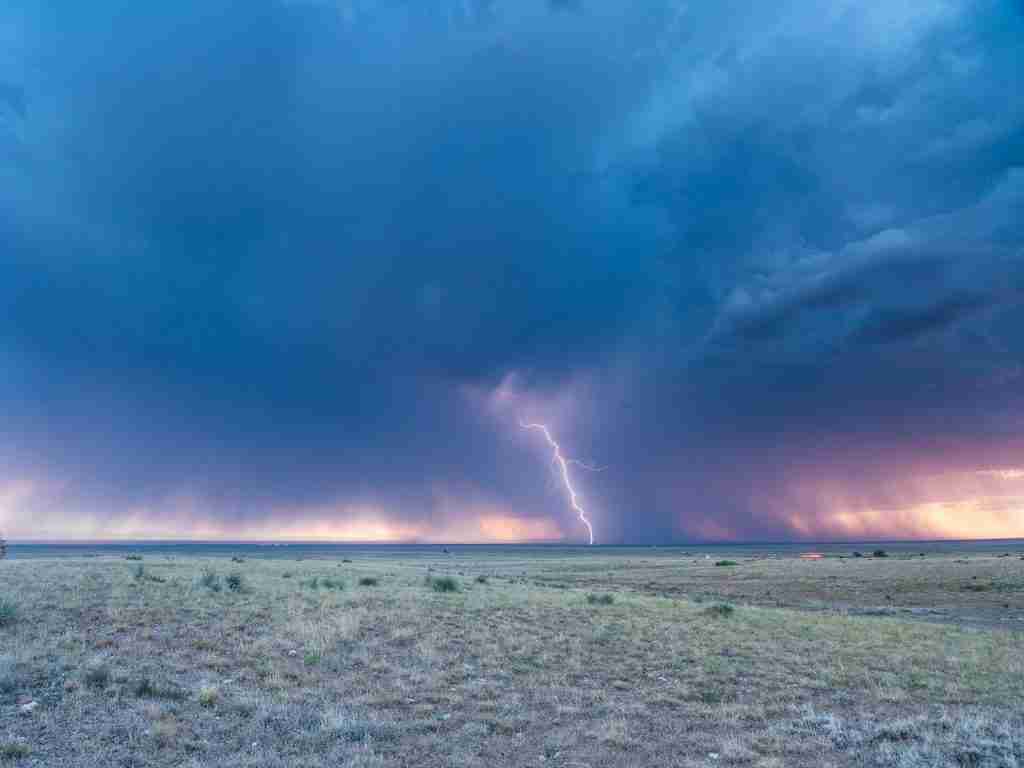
(513, 657)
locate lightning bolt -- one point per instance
(563, 468)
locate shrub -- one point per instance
(209, 579)
(880, 553)
(8, 612)
(208, 695)
(369, 581)
(720, 610)
(481, 579)
(139, 572)
(97, 674)
(286, 575)
(145, 688)
(858, 554)
(726, 563)
(235, 582)
(605, 598)
(443, 584)
(329, 583)
(237, 559)
(3, 548)
(133, 557)
(345, 560)
(313, 583)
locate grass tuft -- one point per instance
(133, 557)
(9, 680)
(235, 582)
(725, 563)
(603, 598)
(209, 579)
(481, 579)
(369, 581)
(720, 611)
(8, 612)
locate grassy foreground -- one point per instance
(438, 662)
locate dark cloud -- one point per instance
(292, 255)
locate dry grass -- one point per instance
(139, 672)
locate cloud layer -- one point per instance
(298, 268)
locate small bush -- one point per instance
(725, 563)
(209, 579)
(720, 610)
(97, 674)
(286, 575)
(313, 583)
(605, 598)
(8, 612)
(235, 582)
(345, 560)
(443, 584)
(145, 688)
(330, 583)
(879, 553)
(237, 559)
(139, 572)
(209, 695)
(369, 581)
(133, 557)
(481, 579)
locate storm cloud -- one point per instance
(298, 268)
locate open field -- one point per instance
(555, 658)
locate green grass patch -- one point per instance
(14, 750)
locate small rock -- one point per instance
(28, 709)
(293, 653)
(713, 755)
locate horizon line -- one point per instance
(542, 543)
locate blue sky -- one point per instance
(299, 267)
